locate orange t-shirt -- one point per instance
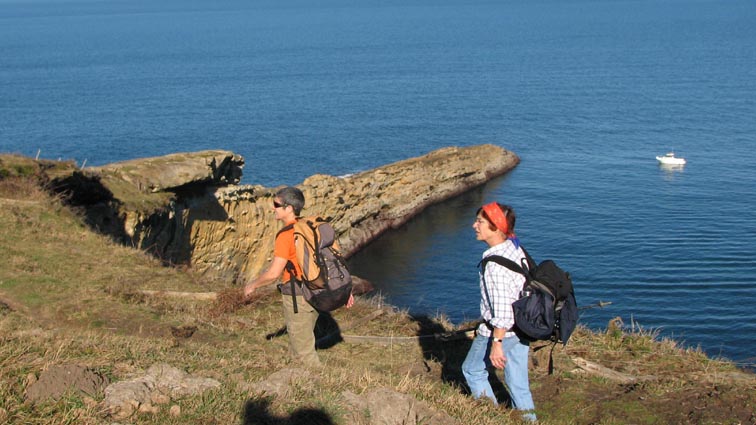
(285, 248)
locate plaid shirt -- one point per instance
(501, 287)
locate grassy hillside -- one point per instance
(71, 296)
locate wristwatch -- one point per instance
(497, 339)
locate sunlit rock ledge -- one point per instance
(188, 208)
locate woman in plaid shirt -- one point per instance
(495, 343)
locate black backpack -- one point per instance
(547, 309)
(325, 282)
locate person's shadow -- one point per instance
(327, 332)
(450, 349)
(256, 413)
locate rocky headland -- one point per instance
(188, 208)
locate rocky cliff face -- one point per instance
(226, 230)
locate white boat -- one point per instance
(670, 159)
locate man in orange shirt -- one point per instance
(287, 204)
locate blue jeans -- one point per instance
(475, 369)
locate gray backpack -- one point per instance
(325, 281)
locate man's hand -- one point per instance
(350, 301)
(498, 360)
(249, 289)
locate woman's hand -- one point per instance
(498, 359)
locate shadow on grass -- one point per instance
(327, 332)
(256, 412)
(450, 350)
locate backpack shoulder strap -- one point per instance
(292, 282)
(285, 228)
(502, 261)
(531, 263)
(505, 262)
(291, 269)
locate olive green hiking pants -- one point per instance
(301, 329)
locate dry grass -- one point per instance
(20, 189)
(68, 295)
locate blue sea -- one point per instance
(587, 93)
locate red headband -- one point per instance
(497, 216)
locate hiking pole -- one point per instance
(600, 304)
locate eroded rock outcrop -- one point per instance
(226, 230)
(161, 384)
(171, 172)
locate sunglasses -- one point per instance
(277, 205)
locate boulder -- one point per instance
(159, 385)
(280, 383)
(384, 406)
